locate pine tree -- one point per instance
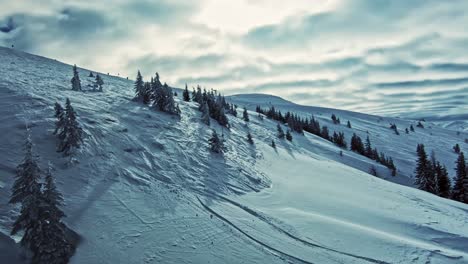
(273, 144)
(245, 115)
(443, 181)
(60, 115)
(91, 74)
(460, 190)
(186, 94)
(325, 133)
(216, 143)
(205, 114)
(456, 148)
(139, 87)
(27, 191)
(368, 148)
(349, 124)
(27, 176)
(72, 135)
(280, 131)
(53, 246)
(249, 138)
(288, 135)
(425, 179)
(411, 128)
(99, 82)
(373, 171)
(75, 80)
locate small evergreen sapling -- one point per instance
(186, 94)
(250, 139)
(288, 135)
(245, 115)
(216, 143)
(75, 80)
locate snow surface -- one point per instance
(146, 189)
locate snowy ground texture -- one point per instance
(146, 188)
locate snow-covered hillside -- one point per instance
(436, 136)
(146, 188)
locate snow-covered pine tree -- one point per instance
(460, 189)
(288, 135)
(99, 81)
(60, 115)
(425, 179)
(71, 135)
(27, 191)
(147, 93)
(165, 100)
(27, 175)
(325, 134)
(249, 138)
(139, 88)
(222, 118)
(245, 115)
(456, 148)
(75, 80)
(280, 131)
(205, 114)
(53, 246)
(216, 143)
(186, 94)
(443, 180)
(368, 148)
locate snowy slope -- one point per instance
(146, 189)
(436, 136)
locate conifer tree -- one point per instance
(75, 80)
(71, 135)
(280, 131)
(139, 87)
(456, 148)
(425, 179)
(460, 189)
(245, 115)
(273, 144)
(216, 143)
(91, 74)
(27, 176)
(27, 191)
(349, 124)
(60, 115)
(205, 114)
(411, 128)
(186, 94)
(288, 135)
(443, 180)
(249, 138)
(368, 148)
(325, 133)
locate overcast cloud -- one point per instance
(376, 56)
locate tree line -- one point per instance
(431, 176)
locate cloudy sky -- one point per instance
(376, 56)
